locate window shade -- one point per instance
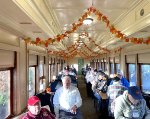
(111, 59)
(144, 58)
(6, 58)
(32, 60)
(50, 60)
(131, 59)
(41, 59)
(117, 60)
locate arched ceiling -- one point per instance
(48, 18)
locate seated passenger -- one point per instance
(95, 85)
(131, 105)
(45, 97)
(55, 85)
(100, 93)
(114, 90)
(124, 81)
(67, 101)
(73, 69)
(35, 110)
(89, 78)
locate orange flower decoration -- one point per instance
(48, 90)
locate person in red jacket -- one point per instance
(35, 110)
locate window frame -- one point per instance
(128, 74)
(11, 90)
(112, 68)
(141, 76)
(35, 66)
(115, 67)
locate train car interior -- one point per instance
(41, 40)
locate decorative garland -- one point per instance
(73, 52)
(76, 25)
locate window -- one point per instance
(49, 73)
(117, 67)
(132, 74)
(105, 64)
(41, 68)
(100, 66)
(31, 81)
(42, 84)
(145, 78)
(112, 68)
(52, 70)
(41, 73)
(5, 77)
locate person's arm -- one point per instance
(108, 91)
(56, 104)
(94, 86)
(118, 110)
(125, 82)
(78, 102)
(78, 99)
(147, 112)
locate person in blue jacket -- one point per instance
(124, 81)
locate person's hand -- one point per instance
(97, 91)
(52, 93)
(73, 109)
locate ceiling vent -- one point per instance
(142, 12)
(37, 32)
(25, 23)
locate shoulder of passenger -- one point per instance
(59, 89)
(73, 88)
(120, 99)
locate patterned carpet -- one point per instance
(87, 108)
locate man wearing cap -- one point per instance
(67, 101)
(131, 105)
(35, 110)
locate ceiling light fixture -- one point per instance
(88, 21)
(83, 35)
(80, 41)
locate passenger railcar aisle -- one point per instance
(87, 107)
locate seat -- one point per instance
(19, 116)
(45, 100)
(23, 114)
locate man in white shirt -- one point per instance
(67, 101)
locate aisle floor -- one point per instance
(87, 107)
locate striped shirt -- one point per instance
(114, 90)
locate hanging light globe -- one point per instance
(88, 21)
